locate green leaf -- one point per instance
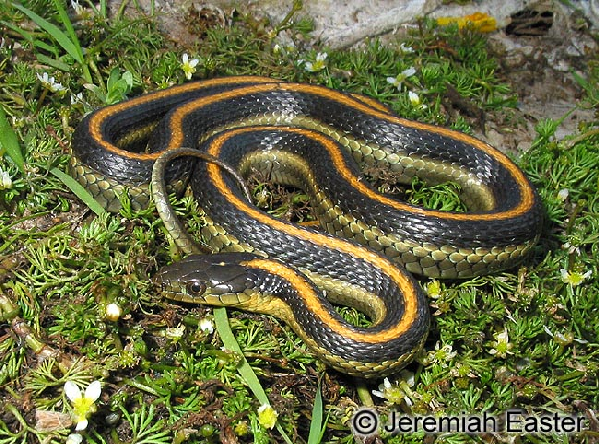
(317, 428)
(9, 143)
(54, 63)
(79, 191)
(221, 321)
(62, 38)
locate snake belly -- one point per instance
(318, 139)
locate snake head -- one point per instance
(216, 279)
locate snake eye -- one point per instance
(195, 288)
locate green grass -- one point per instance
(167, 380)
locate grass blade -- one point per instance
(317, 427)
(9, 142)
(79, 191)
(66, 21)
(221, 321)
(63, 39)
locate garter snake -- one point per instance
(317, 139)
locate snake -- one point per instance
(368, 246)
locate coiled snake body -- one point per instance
(317, 139)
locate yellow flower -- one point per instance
(267, 416)
(433, 289)
(83, 404)
(481, 21)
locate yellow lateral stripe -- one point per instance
(341, 168)
(526, 191)
(401, 280)
(177, 137)
(312, 300)
(96, 121)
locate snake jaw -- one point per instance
(205, 279)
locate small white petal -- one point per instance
(74, 438)
(72, 391)
(378, 394)
(81, 425)
(414, 98)
(406, 49)
(408, 72)
(563, 194)
(5, 180)
(206, 325)
(94, 390)
(113, 312)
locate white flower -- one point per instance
(406, 49)
(441, 355)
(564, 339)
(74, 438)
(188, 66)
(415, 100)
(83, 404)
(571, 248)
(560, 338)
(319, 64)
(76, 98)
(397, 81)
(563, 194)
(501, 345)
(174, 333)
(50, 83)
(5, 180)
(267, 416)
(79, 10)
(399, 391)
(574, 278)
(206, 325)
(113, 312)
